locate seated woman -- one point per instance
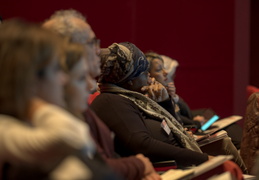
(136, 119)
(158, 72)
(140, 124)
(76, 92)
(163, 69)
(38, 139)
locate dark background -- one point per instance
(215, 41)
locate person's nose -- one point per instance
(97, 50)
(164, 72)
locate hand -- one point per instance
(197, 137)
(150, 173)
(155, 91)
(171, 89)
(211, 157)
(189, 132)
(152, 176)
(199, 118)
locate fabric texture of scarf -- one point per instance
(153, 109)
(121, 62)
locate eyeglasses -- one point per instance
(94, 42)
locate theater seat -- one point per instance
(163, 166)
(92, 97)
(250, 90)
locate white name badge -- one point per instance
(165, 127)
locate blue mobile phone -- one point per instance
(209, 122)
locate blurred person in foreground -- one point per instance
(73, 26)
(38, 138)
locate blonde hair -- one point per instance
(170, 66)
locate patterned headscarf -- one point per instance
(121, 62)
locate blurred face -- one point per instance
(157, 71)
(94, 60)
(87, 38)
(50, 87)
(92, 45)
(77, 87)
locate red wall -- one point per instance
(200, 34)
(254, 73)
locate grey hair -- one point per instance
(170, 64)
(65, 26)
(68, 13)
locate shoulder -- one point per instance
(64, 126)
(109, 96)
(50, 109)
(108, 104)
(111, 99)
(7, 123)
(53, 116)
(5, 119)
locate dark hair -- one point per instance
(25, 52)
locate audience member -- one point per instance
(72, 25)
(139, 123)
(158, 71)
(163, 69)
(158, 65)
(135, 118)
(38, 139)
